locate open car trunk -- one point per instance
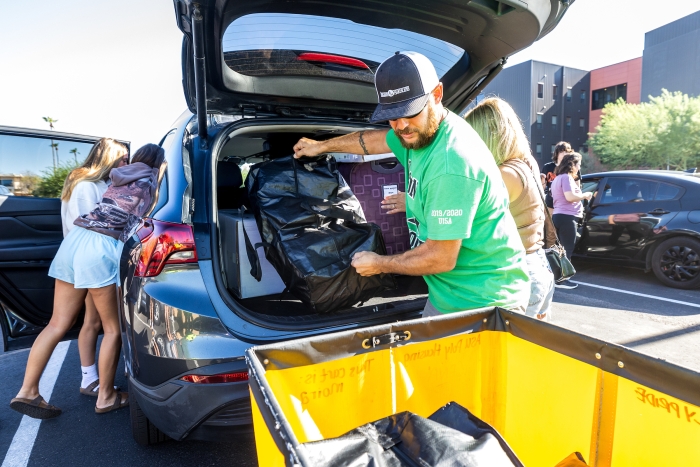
(267, 300)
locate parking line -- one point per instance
(23, 442)
(670, 300)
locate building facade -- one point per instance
(672, 58)
(551, 100)
(621, 80)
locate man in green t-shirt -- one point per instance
(463, 239)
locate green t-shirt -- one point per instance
(455, 191)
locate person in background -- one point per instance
(547, 176)
(87, 262)
(568, 206)
(497, 124)
(82, 190)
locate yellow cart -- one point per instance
(550, 392)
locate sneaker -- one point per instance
(567, 284)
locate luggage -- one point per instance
(449, 437)
(366, 181)
(311, 225)
(235, 259)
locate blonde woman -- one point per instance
(84, 263)
(82, 190)
(497, 124)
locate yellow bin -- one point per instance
(548, 391)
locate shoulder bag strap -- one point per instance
(548, 222)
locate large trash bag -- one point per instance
(311, 225)
(451, 436)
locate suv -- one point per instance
(257, 76)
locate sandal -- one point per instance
(35, 408)
(92, 390)
(119, 403)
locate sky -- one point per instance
(112, 68)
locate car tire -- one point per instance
(671, 261)
(143, 431)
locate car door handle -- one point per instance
(659, 211)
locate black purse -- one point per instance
(556, 254)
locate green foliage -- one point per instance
(51, 183)
(664, 132)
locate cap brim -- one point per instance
(407, 108)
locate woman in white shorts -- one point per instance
(87, 261)
(82, 191)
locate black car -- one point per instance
(644, 219)
(30, 227)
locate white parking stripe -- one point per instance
(23, 441)
(670, 300)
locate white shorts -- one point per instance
(86, 259)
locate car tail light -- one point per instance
(164, 243)
(235, 377)
(328, 58)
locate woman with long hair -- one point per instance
(497, 124)
(547, 176)
(568, 206)
(87, 262)
(82, 190)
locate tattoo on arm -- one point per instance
(362, 143)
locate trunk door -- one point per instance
(318, 57)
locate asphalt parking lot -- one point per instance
(619, 305)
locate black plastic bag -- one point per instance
(311, 225)
(452, 436)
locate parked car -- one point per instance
(257, 76)
(4, 191)
(644, 219)
(30, 230)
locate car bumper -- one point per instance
(197, 411)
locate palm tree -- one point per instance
(75, 153)
(54, 156)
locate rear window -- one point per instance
(267, 44)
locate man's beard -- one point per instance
(425, 136)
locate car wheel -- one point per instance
(143, 431)
(676, 262)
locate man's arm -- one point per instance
(374, 141)
(432, 257)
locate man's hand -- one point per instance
(395, 203)
(366, 263)
(308, 147)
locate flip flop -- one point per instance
(92, 390)
(119, 403)
(35, 408)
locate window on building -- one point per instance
(539, 121)
(568, 123)
(554, 92)
(583, 97)
(568, 94)
(538, 149)
(582, 123)
(554, 122)
(604, 96)
(540, 90)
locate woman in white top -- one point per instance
(82, 190)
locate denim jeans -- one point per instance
(541, 286)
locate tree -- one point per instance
(54, 146)
(661, 133)
(75, 153)
(51, 183)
